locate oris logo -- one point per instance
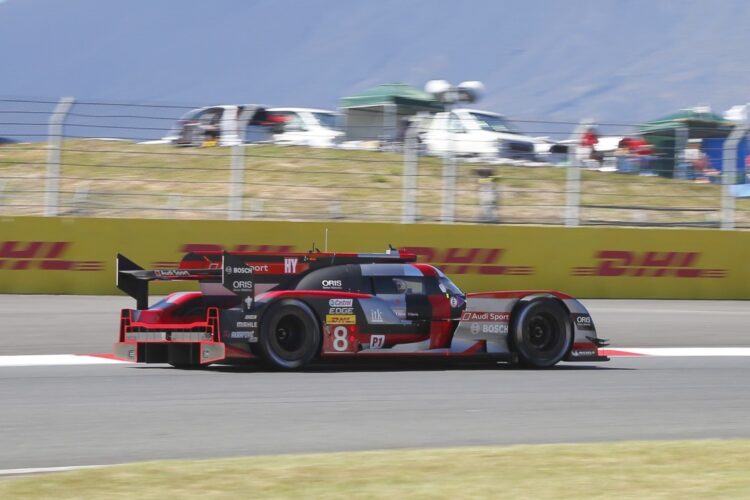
(583, 321)
(331, 283)
(242, 285)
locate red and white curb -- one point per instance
(59, 360)
(613, 352)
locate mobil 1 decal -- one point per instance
(237, 276)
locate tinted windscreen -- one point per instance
(326, 119)
(449, 286)
(494, 123)
(388, 285)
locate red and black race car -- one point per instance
(290, 309)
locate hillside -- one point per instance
(611, 60)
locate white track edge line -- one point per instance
(43, 470)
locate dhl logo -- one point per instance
(43, 255)
(648, 264)
(468, 260)
(450, 260)
(203, 247)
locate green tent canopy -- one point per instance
(669, 134)
(400, 94)
(376, 113)
(701, 124)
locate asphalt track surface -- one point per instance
(102, 414)
(64, 324)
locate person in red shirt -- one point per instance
(589, 138)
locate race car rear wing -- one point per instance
(268, 268)
(133, 279)
(234, 274)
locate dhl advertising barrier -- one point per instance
(76, 256)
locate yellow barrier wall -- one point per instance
(76, 256)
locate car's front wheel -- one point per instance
(541, 332)
(289, 336)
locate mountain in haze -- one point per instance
(615, 61)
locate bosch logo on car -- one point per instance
(242, 270)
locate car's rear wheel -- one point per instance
(289, 336)
(541, 332)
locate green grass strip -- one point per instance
(670, 469)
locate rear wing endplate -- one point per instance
(127, 280)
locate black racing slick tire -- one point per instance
(541, 332)
(290, 336)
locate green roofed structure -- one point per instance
(669, 134)
(377, 113)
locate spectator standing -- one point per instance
(586, 148)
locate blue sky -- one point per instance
(612, 60)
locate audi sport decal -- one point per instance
(495, 317)
(171, 273)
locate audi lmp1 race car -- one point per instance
(289, 309)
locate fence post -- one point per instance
(573, 193)
(409, 180)
(54, 145)
(237, 183)
(448, 212)
(729, 171)
(573, 177)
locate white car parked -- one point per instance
(316, 128)
(293, 126)
(469, 132)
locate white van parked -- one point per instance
(293, 126)
(470, 132)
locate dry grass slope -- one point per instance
(120, 179)
(664, 470)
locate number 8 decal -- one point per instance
(340, 338)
